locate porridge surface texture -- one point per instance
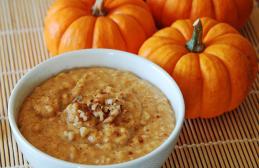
(96, 116)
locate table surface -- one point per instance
(230, 140)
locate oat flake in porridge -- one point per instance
(96, 116)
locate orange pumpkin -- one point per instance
(234, 12)
(213, 64)
(117, 24)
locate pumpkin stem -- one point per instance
(195, 44)
(98, 8)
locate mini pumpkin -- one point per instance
(212, 63)
(117, 24)
(234, 12)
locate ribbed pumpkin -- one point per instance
(117, 24)
(212, 63)
(234, 12)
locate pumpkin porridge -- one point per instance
(96, 116)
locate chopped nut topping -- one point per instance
(108, 101)
(101, 107)
(71, 111)
(69, 135)
(82, 115)
(114, 112)
(91, 138)
(94, 106)
(99, 114)
(78, 99)
(83, 131)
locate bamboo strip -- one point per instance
(5, 152)
(39, 16)
(2, 158)
(249, 121)
(184, 156)
(212, 149)
(220, 135)
(198, 152)
(207, 153)
(185, 152)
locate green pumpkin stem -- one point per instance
(98, 8)
(195, 43)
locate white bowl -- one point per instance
(97, 57)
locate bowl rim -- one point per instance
(173, 135)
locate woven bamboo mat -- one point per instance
(231, 140)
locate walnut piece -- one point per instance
(69, 135)
(103, 107)
(84, 113)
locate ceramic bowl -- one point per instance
(97, 57)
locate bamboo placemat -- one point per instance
(231, 140)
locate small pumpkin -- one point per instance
(117, 24)
(212, 63)
(234, 12)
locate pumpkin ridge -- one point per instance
(157, 11)
(193, 78)
(206, 26)
(213, 41)
(213, 8)
(190, 14)
(237, 11)
(107, 31)
(181, 55)
(50, 12)
(168, 38)
(93, 32)
(154, 49)
(210, 56)
(62, 34)
(205, 38)
(185, 38)
(162, 12)
(245, 91)
(252, 68)
(133, 33)
(188, 24)
(85, 11)
(86, 39)
(158, 46)
(242, 17)
(226, 12)
(121, 34)
(149, 31)
(108, 4)
(230, 84)
(136, 20)
(200, 113)
(140, 25)
(166, 45)
(155, 34)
